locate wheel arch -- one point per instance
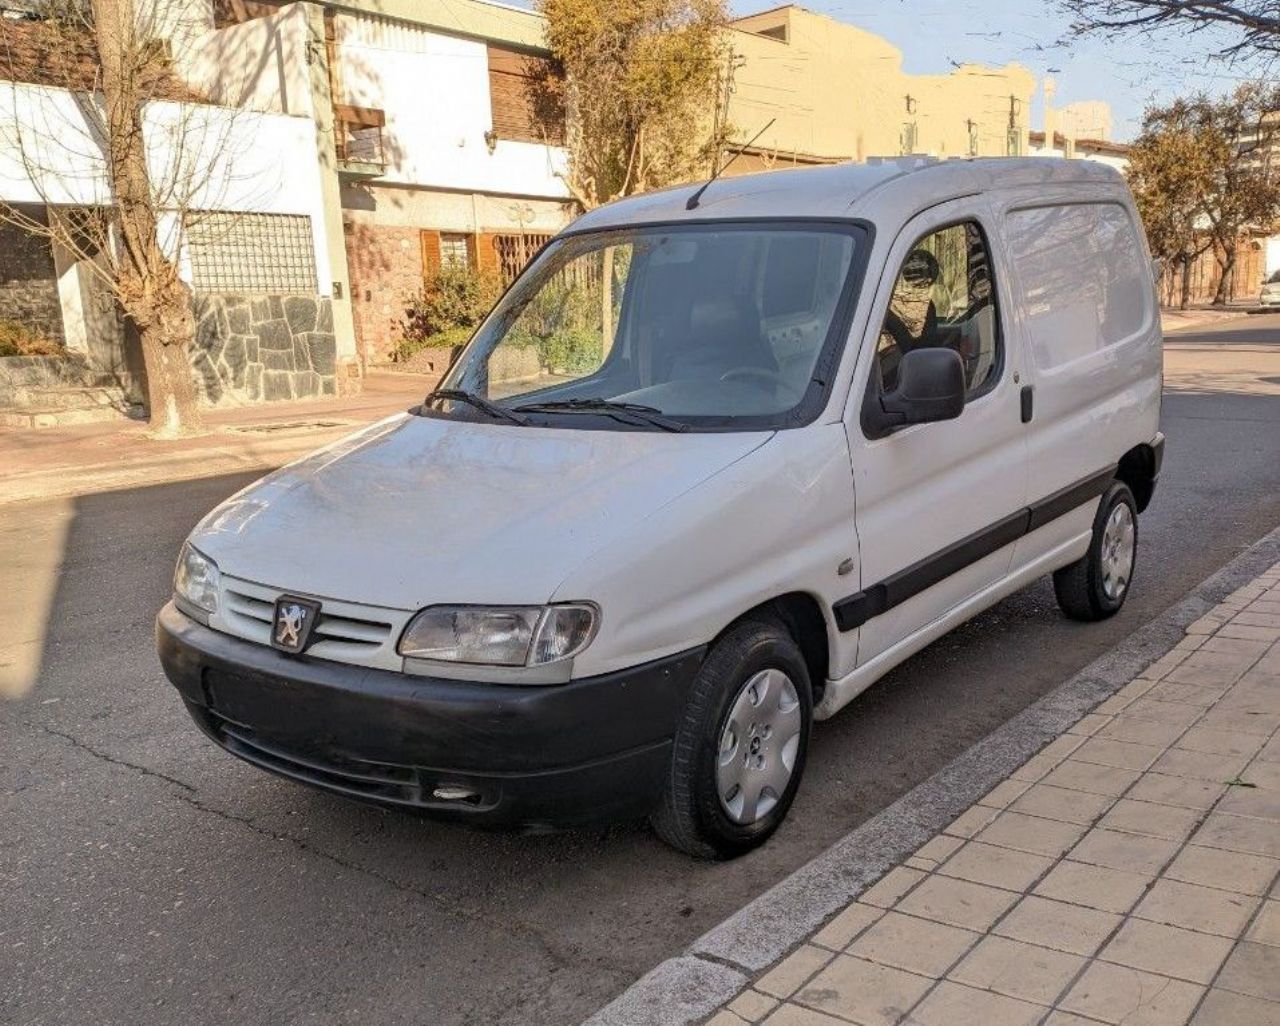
(801, 613)
(1139, 468)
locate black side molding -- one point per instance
(857, 609)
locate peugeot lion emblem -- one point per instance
(294, 620)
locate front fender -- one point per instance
(779, 520)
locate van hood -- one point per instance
(415, 511)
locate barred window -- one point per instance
(234, 252)
(515, 251)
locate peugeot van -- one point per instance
(717, 460)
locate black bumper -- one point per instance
(590, 750)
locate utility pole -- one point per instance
(1014, 144)
(720, 119)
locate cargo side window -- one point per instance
(944, 296)
(1085, 281)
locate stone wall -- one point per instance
(385, 264)
(251, 348)
(28, 282)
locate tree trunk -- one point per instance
(1185, 300)
(1226, 264)
(153, 295)
(171, 393)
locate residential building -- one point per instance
(1113, 154)
(829, 91)
(1085, 119)
(378, 140)
(240, 209)
(425, 137)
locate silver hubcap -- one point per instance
(1117, 552)
(758, 746)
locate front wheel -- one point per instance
(740, 749)
(1095, 586)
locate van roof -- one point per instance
(903, 185)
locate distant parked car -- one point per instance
(1270, 295)
(714, 464)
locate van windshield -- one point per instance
(708, 326)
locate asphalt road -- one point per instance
(146, 877)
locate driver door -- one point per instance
(936, 502)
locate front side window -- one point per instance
(712, 325)
(944, 296)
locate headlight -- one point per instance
(500, 635)
(195, 580)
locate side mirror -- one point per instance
(930, 387)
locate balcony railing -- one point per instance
(358, 140)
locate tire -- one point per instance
(1095, 586)
(699, 814)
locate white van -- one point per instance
(714, 463)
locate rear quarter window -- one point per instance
(1084, 280)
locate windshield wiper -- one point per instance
(461, 395)
(628, 413)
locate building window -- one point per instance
(515, 251)
(233, 252)
(455, 250)
(522, 112)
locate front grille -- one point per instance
(345, 632)
(346, 629)
(381, 781)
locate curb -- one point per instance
(685, 989)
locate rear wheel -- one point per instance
(740, 749)
(1095, 586)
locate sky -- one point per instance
(1129, 73)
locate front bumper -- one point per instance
(590, 750)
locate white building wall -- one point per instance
(200, 157)
(1271, 256)
(1079, 153)
(261, 64)
(434, 90)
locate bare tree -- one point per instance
(1245, 28)
(119, 151)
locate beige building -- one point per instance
(836, 92)
(426, 143)
(1085, 119)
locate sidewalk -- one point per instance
(1175, 320)
(63, 461)
(1125, 874)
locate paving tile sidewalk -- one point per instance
(1127, 874)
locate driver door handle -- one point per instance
(1028, 396)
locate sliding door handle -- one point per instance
(1028, 404)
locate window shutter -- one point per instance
(486, 251)
(430, 245)
(511, 77)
